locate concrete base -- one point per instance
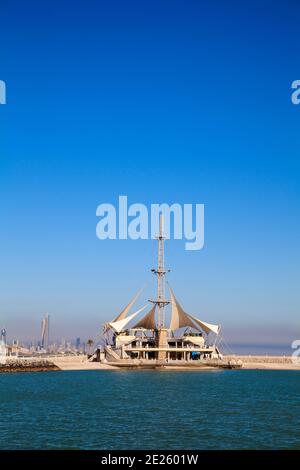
(162, 342)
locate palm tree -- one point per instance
(89, 344)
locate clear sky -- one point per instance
(163, 101)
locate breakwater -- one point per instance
(268, 362)
(27, 365)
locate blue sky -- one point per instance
(164, 102)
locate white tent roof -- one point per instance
(124, 312)
(120, 325)
(148, 321)
(207, 327)
(180, 318)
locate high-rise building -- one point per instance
(45, 334)
(3, 335)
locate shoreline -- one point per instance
(249, 363)
(81, 363)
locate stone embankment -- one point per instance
(268, 362)
(26, 365)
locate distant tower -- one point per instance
(3, 335)
(77, 344)
(45, 334)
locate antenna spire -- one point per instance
(161, 302)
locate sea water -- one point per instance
(126, 409)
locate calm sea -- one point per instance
(150, 410)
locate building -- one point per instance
(187, 340)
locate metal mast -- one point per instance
(161, 302)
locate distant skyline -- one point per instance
(165, 102)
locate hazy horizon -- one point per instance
(163, 103)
